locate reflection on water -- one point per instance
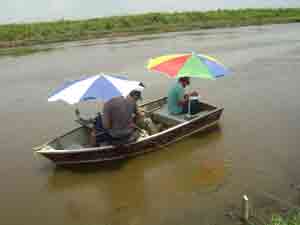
(211, 172)
(141, 190)
(104, 194)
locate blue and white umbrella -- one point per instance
(99, 87)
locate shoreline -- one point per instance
(21, 39)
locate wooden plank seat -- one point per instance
(163, 114)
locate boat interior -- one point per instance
(156, 113)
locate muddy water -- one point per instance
(255, 149)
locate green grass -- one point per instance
(292, 218)
(22, 35)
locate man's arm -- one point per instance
(183, 100)
(138, 112)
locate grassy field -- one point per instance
(28, 35)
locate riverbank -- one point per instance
(25, 36)
(292, 218)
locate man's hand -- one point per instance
(141, 114)
(194, 93)
(132, 125)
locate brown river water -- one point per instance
(254, 150)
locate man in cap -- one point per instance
(177, 99)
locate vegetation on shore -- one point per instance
(292, 218)
(27, 35)
(19, 51)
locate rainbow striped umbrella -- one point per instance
(188, 65)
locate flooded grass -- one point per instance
(24, 35)
(292, 218)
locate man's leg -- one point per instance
(185, 108)
(147, 124)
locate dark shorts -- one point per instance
(185, 108)
(123, 136)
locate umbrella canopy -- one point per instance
(188, 65)
(99, 87)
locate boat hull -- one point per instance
(148, 144)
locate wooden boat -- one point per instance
(73, 147)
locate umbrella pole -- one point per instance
(99, 108)
(77, 112)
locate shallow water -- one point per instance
(254, 150)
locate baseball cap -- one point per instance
(136, 94)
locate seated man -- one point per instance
(178, 101)
(118, 117)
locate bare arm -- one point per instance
(138, 112)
